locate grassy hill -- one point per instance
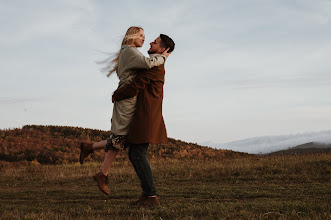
(60, 145)
(193, 182)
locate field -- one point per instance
(278, 187)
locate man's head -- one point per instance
(160, 44)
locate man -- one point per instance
(147, 126)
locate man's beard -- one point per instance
(151, 51)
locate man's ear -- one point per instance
(164, 49)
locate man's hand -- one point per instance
(165, 52)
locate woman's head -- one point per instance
(134, 36)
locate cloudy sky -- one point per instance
(241, 69)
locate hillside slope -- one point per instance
(60, 145)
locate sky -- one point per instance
(240, 69)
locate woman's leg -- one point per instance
(99, 145)
(108, 161)
(88, 148)
(102, 177)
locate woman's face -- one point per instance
(139, 41)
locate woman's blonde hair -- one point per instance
(130, 35)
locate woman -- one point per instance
(127, 60)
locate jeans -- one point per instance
(137, 156)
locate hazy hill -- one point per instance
(310, 148)
(60, 144)
(269, 144)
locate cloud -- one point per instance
(59, 18)
(11, 100)
(289, 81)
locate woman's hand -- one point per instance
(165, 53)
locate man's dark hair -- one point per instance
(167, 42)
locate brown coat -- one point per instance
(147, 125)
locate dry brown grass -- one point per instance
(279, 187)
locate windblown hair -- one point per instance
(112, 64)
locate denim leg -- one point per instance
(137, 156)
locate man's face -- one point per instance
(156, 47)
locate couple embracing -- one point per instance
(137, 119)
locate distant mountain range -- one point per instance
(269, 144)
(305, 148)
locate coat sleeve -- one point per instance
(136, 60)
(131, 90)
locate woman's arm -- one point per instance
(136, 60)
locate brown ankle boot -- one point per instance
(85, 150)
(102, 182)
(137, 202)
(149, 201)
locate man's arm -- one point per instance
(131, 90)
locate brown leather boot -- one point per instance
(85, 150)
(137, 202)
(149, 201)
(102, 182)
